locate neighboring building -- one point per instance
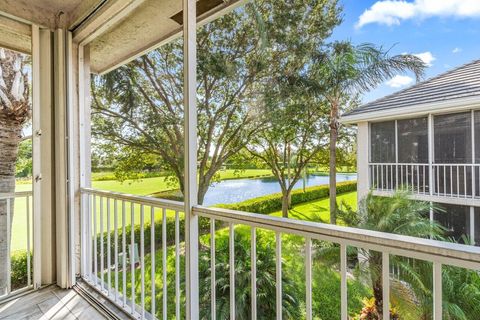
(426, 138)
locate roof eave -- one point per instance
(414, 110)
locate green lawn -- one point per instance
(141, 187)
(319, 210)
(152, 185)
(315, 211)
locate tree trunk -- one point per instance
(333, 164)
(285, 203)
(375, 265)
(10, 134)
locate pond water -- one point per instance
(231, 191)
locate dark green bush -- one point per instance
(273, 202)
(19, 275)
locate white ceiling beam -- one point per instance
(106, 17)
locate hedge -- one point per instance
(273, 202)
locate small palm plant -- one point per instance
(266, 279)
(397, 214)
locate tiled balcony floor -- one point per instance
(50, 303)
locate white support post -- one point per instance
(472, 175)
(437, 291)
(37, 195)
(84, 150)
(71, 176)
(431, 182)
(191, 187)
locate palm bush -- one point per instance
(266, 283)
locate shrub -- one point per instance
(19, 275)
(271, 203)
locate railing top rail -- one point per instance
(397, 163)
(21, 194)
(424, 249)
(457, 164)
(150, 201)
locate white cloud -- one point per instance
(399, 81)
(427, 57)
(457, 50)
(392, 12)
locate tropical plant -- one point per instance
(399, 215)
(296, 127)
(266, 280)
(14, 113)
(345, 71)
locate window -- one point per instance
(413, 140)
(456, 219)
(382, 137)
(453, 139)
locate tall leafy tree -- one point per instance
(14, 114)
(140, 106)
(295, 120)
(345, 70)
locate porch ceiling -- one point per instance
(117, 30)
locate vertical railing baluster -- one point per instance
(231, 247)
(308, 277)
(381, 177)
(164, 261)
(213, 281)
(29, 278)
(465, 180)
(438, 180)
(386, 285)
(89, 235)
(115, 238)
(177, 266)
(109, 254)
(142, 258)
(444, 180)
(95, 235)
(451, 180)
(253, 266)
(152, 261)
(437, 291)
(458, 181)
(278, 258)
(9, 266)
(102, 253)
(418, 178)
(424, 177)
(132, 255)
(124, 254)
(343, 282)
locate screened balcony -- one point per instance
(435, 155)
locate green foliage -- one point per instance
(271, 203)
(203, 228)
(24, 165)
(266, 279)
(19, 275)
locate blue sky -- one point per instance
(445, 33)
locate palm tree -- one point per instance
(266, 283)
(14, 113)
(399, 215)
(344, 71)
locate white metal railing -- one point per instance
(17, 207)
(456, 180)
(100, 203)
(114, 256)
(391, 176)
(437, 252)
